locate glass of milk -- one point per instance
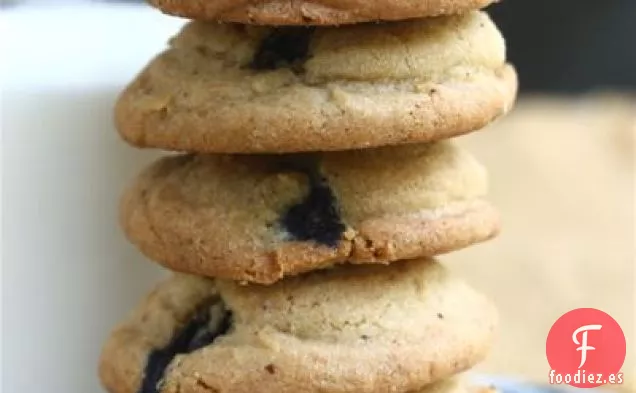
(68, 274)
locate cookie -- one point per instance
(351, 329)
(226, 88)
(259, 218)
(320, 12)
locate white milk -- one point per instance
(68, 274)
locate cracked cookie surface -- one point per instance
(259, 218)
(351, 329)
(227, 88)
(313, 12)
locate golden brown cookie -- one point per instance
(260, 218)
(353, 329)
(313, 12)
(226, 88)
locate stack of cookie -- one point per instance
(315, 183)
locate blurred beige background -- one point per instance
(562, 174)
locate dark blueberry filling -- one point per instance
(209, 323)
(283, 47)
(317, 217)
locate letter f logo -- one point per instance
(583, 344)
